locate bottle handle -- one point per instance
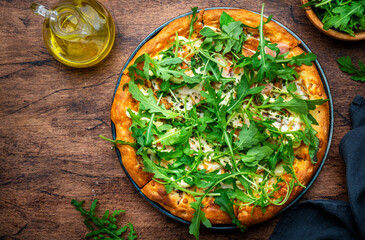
(56, 19)
(43, 11)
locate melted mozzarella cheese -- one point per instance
(183, 184)
(128, 115)
(224, 186)
(300, 92)
(210, 166)
(204, 145)
(192, 96)
(144, 91)
(226, 160)
(237, 120)
(217, 30)
(227, 96)
(279, 170)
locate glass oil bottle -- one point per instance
(78, 33)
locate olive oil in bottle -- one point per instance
(78, 33)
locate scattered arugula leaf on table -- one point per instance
(346, 65)
(105, 227)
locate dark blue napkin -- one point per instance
(333, 219)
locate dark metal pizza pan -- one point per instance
(326, 87)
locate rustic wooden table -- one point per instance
(52, 115)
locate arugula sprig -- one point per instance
(230, 39)
(148, 102)
(160, 69)
(115, 142)
(273, 67)
(346, 65)
(193, 19)
(105, 227)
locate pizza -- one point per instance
(221, 118)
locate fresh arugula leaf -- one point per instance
(311, 139)
(193, 19)
(208, 32)
(159, 71)
(170, 155)
(136, 119)
(170, 61)
(133, 68)
(303, 58)
(202, 179)
(149, 102)
(206, 54)
(292, 87)
(227, 206)
(234, 30)
(347, 66)
(213, 68)
(225, 20)
(243, 90)
(177, 136)
(270, 67)
(106, 226)
(246, 138)
(256, 154)
(239, 194)
(183, 160)
(132, 234)
(313, 103)
(198, 217)
(149, 133)
(115, 142)
(151, 167)
(275, 158)
(296, 105)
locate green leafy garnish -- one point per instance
(199, 217)
(227, 206)
(214, 121)
(247, 137)
(105, 227)
(148, 102)
(342, 15)
(115, 142)
(296, 105)
(193, 19)
(347, 66)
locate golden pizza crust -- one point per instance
(177, 202)
(274, 32)
(132, 163)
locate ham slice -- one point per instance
(282, 46)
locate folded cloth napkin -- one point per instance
(333, 219)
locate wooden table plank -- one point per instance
(52, 115)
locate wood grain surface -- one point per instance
(52, 115)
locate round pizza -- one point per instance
(221, 118)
